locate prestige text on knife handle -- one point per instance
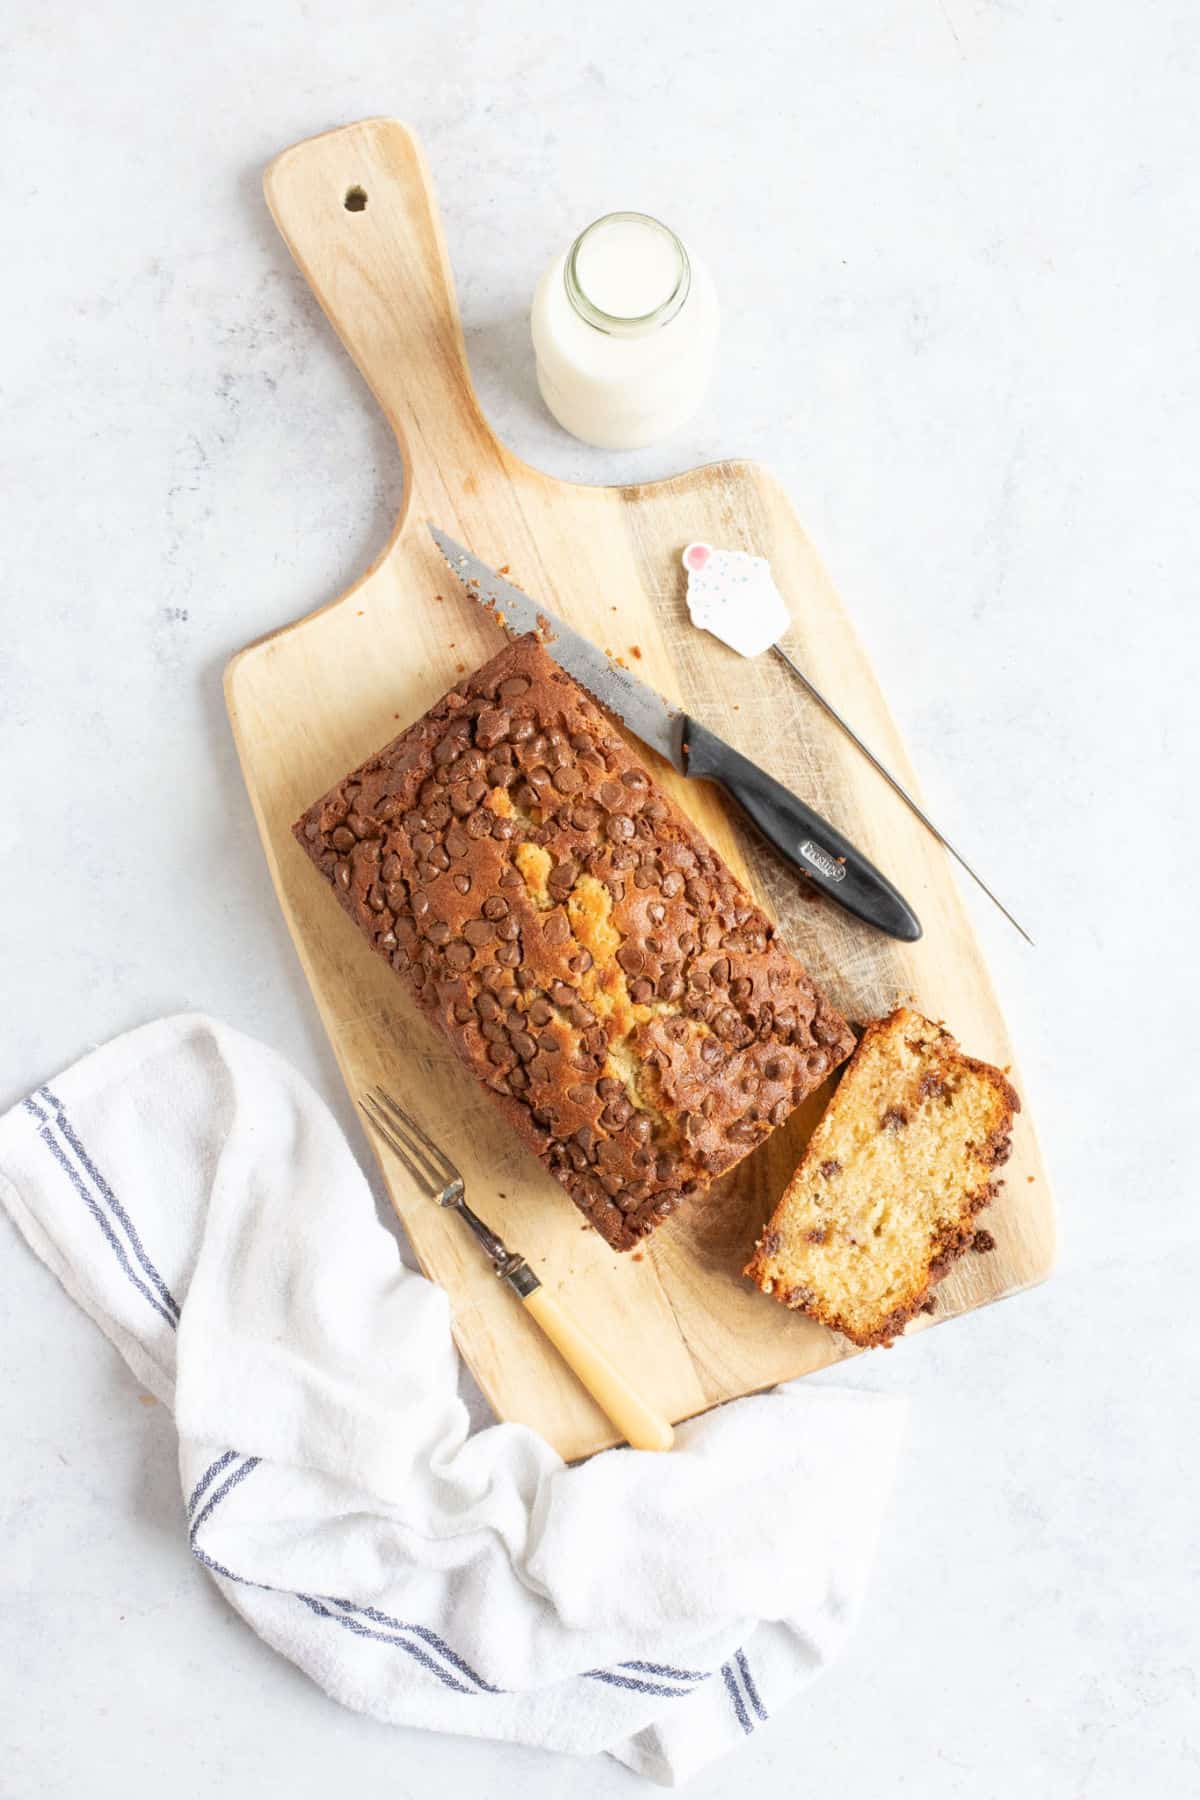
(800, 835)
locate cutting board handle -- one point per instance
(355, 207)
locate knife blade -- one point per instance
(814, 847)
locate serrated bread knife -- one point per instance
(812, 846)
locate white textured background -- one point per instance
(957, 246)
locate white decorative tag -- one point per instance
(732, 595)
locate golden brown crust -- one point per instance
(586, 952)
(778, 1265)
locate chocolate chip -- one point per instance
(585, 816)
(894, 1119)
(775, 1068)
(342, 839)
(620, 828)
(780, 1111)
(524, 1045)
(561, 994)
(568, 779)
(491, 727)
(830, 1167)
(459, 955)
(631, 958)
(642, 992)
(479, 931)
(555, 929)
(513, 688)
(494, 907)
(636, 778)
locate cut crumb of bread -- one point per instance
(885, 1197)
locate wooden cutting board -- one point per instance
(308, 703)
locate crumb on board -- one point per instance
(359, 614)
(147, 1400)
(503, 569)
(1031, 1178)
(636, 650)
(439, 598)
(638, 1256)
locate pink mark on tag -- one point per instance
(695, 556)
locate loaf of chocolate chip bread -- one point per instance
(589, 956)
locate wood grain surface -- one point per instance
(310, 702)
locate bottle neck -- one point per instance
(627, 275)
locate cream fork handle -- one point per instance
(642, 1427)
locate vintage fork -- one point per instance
(432, 1170)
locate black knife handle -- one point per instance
(810, 844)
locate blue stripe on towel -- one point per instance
(68, 1168)
(748, 1684)
(423, 1632)
(222, 1462)
(649, 1668)
(735, 1695)
(114, 1205)
(636, 1687)
(382, 1637)
(251, 1463)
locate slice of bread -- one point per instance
(885, 1197)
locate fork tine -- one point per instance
(396, 1144)
(400, 1126)
(443, 1168)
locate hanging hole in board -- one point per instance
(356, 199)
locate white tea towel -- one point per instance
(196, 1198)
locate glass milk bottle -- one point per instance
(624, 327)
